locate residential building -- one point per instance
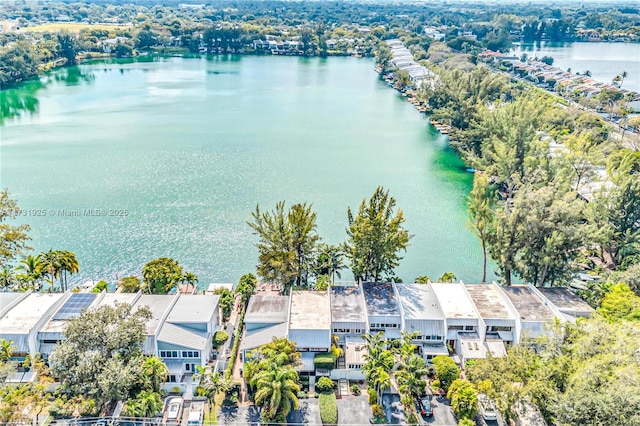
(310, 326)
(266, 317)
(462, 319)
(349, 323)
(533, 312)
(497, 314)
(383, 310)
(567, 302)
(421, 314)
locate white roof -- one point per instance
(257, 338)
(419, 302)
(158, 305)
(454, 301)
(26, 314)
(472, 348)
(310, 310)
(496, 348)
(196, 308)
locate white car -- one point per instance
(487, 408)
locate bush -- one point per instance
(325, 384)
(324, 361)
(328, 408)
(355, 389)
(377, 410)
(446, 370)
(373, 396)
(220, 337)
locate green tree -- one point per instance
(13, 238)
(30, 269)
(375, 237)
(226, 302)
(286, 243)
(481, 216)
(328, 261)
(447, 277)
(6, 350)
(210, 384)
(620, 303)
(101, 355)
(67, 47)
(154, 373)
(446, 370)
(277, 391)
(130, 284)
(246, 287)
(464, 399)
(423, 279)
(161, 275)
(146, 404)
(145, 39)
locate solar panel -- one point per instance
(74, 306)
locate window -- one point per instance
(498, 328)
(436, 337)
(469, 327)
(50, 342)
(418, 337)
(187, 366)
(172, 378)
(455, 327)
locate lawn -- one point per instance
(72, 27)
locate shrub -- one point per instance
(355, 389)
(373, 396)
(377, 410)
(446, 370)
(325, 384)
(328, 408)
(220, 337)
(324, 361)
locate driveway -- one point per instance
(354, 410)
(239, 416)
(308, 412)
(442, 414)
(393, 409)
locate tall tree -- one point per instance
(480, 214)
(30, 271)
(375, 237)
(246, 287)
(13, 238)
(304, 238)
(328, 261)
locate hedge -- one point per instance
(328, 408)
(324, 361)
(236, 344)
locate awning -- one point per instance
(472, 349)
(496, 348)
(307, 362)
(507, 336)
(174, 367)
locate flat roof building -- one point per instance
(567, 302)
(532, 310)
(310, 321)
(383, 310)
(494, 308)
(348, 312)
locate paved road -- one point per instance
(442, 414)
(239, 416)
(393, 409)
(308, 413)
(354, 410)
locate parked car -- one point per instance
(487, 408)
(425, 406)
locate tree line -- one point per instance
(290, 250)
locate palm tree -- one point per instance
(154, 373)
(277, 392)
(7, 278)
(410, 375)
(587, 73)
(146, 404)
(6, 350)
(50, 261)
(32, 271)
(329, 261)
(210, 384)
(68, 264)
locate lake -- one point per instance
(187, 147)
(604, 60)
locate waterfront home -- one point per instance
(180, 331)
(421, 313)
(184, 340)
(497, 315)
(462, 318)
(265, 318)
(348, 323)
(532, 310)
(310, 327)
(567, 302)
(383, 310)
(22, 316)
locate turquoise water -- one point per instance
(188, 147)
